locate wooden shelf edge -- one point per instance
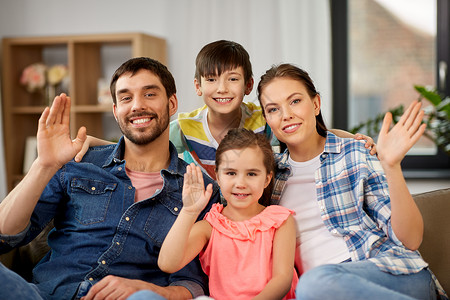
(28, 109)
(64, 39)
(100, 108)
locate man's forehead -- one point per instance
(141, 79)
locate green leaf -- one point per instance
(435, 99)
(428, 94)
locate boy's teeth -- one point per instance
(223, 100)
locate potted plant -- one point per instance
(437, 118)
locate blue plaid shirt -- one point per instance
(353, 197)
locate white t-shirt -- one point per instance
(317, 246)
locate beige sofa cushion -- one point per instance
(435, 248)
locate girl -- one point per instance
(358, 227)
(246, 248)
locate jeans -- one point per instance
(145, 295)
(12, 286)
(363, 280)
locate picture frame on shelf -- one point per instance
(30, 153)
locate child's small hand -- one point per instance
(90, 142)
(84, 149)
(370, 144)
(195, 197)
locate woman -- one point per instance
(358, 227)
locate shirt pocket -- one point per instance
(91, 199)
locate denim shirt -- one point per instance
(100, 230)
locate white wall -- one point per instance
(272, 31)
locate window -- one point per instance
(380, 51)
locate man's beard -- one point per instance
(157, 127)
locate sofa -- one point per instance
(435, 248)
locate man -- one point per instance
(111, 211)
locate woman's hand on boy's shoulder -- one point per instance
(370, 144)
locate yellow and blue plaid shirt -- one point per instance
(353, 197)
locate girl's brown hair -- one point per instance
(241, 138)
(292, 72)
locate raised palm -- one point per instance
(55, 147)
(195, 197)
(395, 142)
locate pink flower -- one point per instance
(33, 77)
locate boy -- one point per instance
(223, 76)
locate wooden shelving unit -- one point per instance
(87, 58)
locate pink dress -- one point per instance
(238, 257)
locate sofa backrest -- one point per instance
(435, 248)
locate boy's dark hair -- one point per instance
(220, 56)
(241, 138)
(292, 72)
(134, 65)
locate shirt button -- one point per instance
(130, 187)
(103, 262)
(175, 208)
(91, 279)
(117, 243)
(324, 156)
(93, 188)
(119, 168)
(334, 231)
(127, 219)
